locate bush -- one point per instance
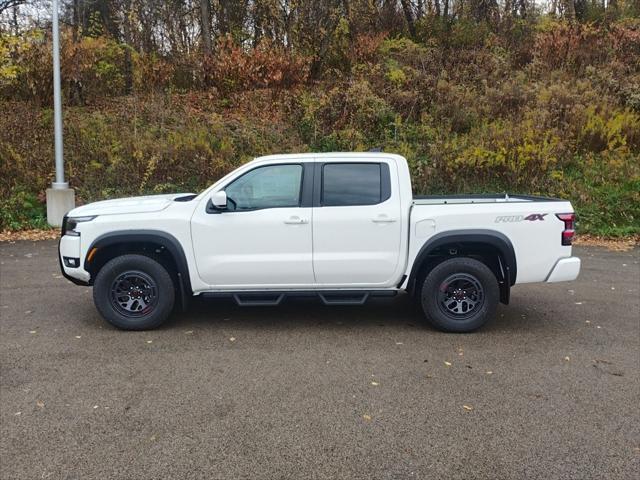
(354, 118)
(266, 66)
(20, 209)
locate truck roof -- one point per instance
(320, 156)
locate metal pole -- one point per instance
(57, 104)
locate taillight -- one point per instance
(569, 231)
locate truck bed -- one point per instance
(479, 198)
(528, 222)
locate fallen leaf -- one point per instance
(489, 372)
(232, 339)
(448, 364)
(49, 234)
(598, 326)
(578, 303)
(149, 341)
(467, 407)
(367, 417)
(375, 384)
(399, 343)
(566, 359)
(40, 403)
(18, 413)
(95, 406)
(587, 321)
(27, 312)
(32, 331)
(78, 336)
(188, 332)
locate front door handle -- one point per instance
(383, 219)
(295, 220)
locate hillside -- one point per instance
(540, 106)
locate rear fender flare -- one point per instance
(488, 237)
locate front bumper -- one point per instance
(69, 247)
(565, 269)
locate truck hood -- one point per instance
(146, 204)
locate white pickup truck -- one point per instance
(340, 226)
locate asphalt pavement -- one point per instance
(548, 390)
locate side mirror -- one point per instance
(219, 200)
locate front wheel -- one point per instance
(460, 295)
(134, 292)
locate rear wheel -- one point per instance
(460, 295)
(134, 292)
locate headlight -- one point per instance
(70, 224)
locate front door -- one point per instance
(263, 238)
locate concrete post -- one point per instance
(59, 202)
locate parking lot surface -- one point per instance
(547, 390)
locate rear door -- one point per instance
(356, 223)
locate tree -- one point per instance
(569, 10)
(408, 15)
(205, 26)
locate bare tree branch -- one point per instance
(7, 4)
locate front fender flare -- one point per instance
(164, 239)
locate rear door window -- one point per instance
(345, 184)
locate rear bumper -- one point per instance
(566, 269)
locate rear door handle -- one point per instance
(295, 220)
(383, 219)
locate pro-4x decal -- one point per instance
(519, 218)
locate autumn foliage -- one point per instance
(540, 106)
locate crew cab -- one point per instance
(343, 227)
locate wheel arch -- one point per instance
(473, 242)
(154, 243)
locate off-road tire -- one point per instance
(152, 292)
(444, 304)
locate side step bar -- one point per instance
(328, 297)
(343, 299)
(258, 299)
